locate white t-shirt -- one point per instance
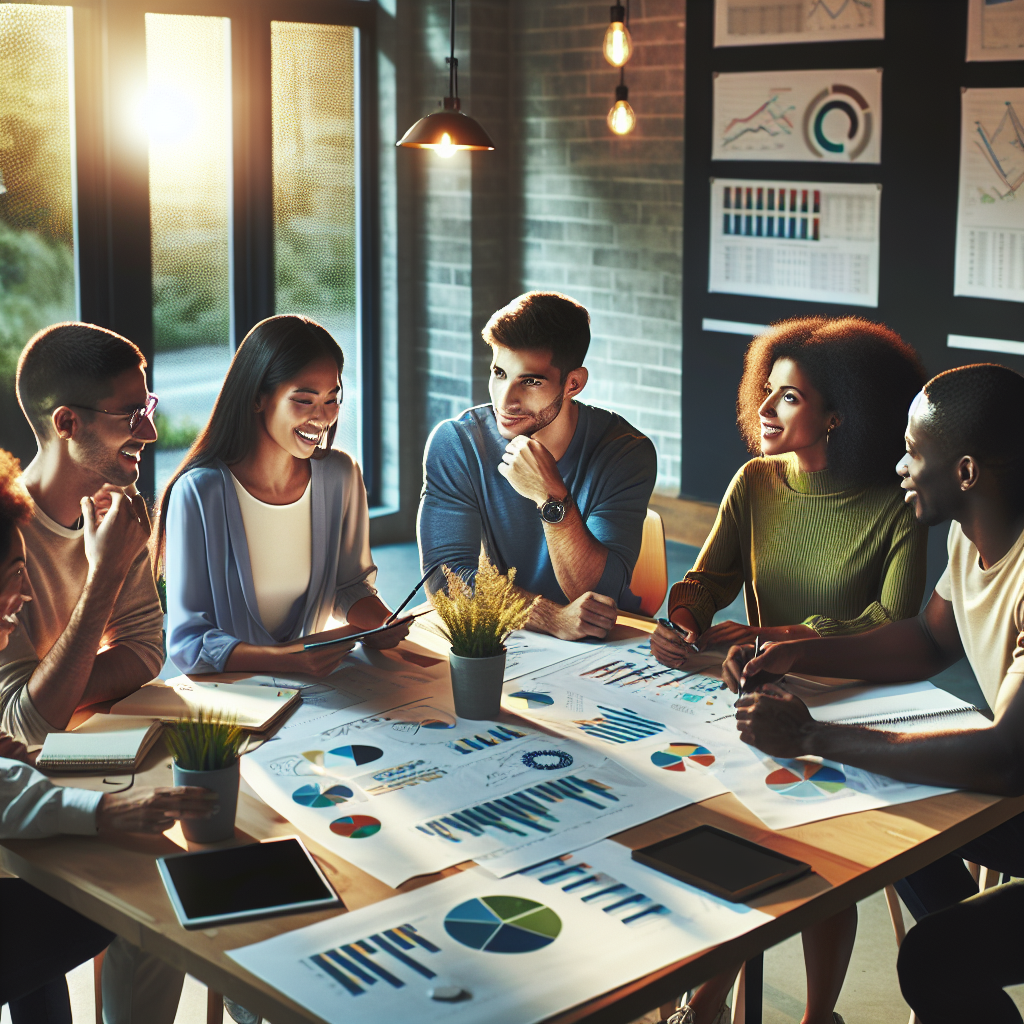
(988, 605)
(280, 539)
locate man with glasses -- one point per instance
(92, 629)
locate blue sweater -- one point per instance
(609, 468)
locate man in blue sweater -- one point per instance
(551, 486)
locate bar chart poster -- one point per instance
(995, 30)
(762, 22)
(471, 948)
(799, 115)
(990, 211)
(804, 240)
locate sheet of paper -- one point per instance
(803, 240)
(760, 22)
(799, 115)
(995, 30)
(658, 722)
(521, 948)
(990, 210)
(529, 651)
(414, 789)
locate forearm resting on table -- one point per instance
(576, 556)
(987, 760)
(59, 684)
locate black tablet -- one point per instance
(721, 863)
(277, 876)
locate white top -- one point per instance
(280, 539)
(988, 605)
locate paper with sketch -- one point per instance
(414, 789)
(521, 948)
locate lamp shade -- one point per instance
(447, 130)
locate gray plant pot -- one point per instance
(476, 685)
(223, 782)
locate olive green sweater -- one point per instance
(808, 551)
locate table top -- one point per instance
(113, 880)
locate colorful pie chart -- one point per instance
(355, 826)
(524, 699)
(805, 780)
(503, 924)
(321, 795)
(673, 758)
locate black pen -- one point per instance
(669, 624)
(412, 593)
(757, 654)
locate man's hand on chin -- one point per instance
(775, 722)
(531, 470)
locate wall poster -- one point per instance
(995, 30)
(759, 22)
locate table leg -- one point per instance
(753, 989)
(214, 1007)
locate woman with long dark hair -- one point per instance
(263, 531)
(815, 532)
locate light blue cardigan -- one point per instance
(211, 602)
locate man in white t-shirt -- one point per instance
(965, 462)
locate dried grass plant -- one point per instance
(478, 619)
(204, 743)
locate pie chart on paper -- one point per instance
(805, 780)
(320, 795)
(348, 756)
(673, 758)
(524, 700)
(355, 826)
(503, 924)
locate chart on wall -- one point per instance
(799, 115)
(513, 951)
(804, 240)
(761, 22)
(990, 210)
(414, 789)
(995, 30)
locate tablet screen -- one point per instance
(262, 876)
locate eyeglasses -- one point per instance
(135, 416)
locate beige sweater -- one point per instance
(57, 569)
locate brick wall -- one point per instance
(562, 204)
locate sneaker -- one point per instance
(240, 1014)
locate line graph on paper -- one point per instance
(747, 22)
(1003, 149)
(840, 14)
(771, 119)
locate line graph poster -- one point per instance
(760, 22)
(799, 115)
(990, 211)
(520, 949)
(804, 240)
(995, 30)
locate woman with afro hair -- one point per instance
(816, 533)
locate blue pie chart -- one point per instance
(503, 924)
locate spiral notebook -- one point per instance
(917, 707)
(104, 743)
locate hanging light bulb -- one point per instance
(621, 118)
(618, 43)
(449, 130)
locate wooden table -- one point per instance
(114, 880)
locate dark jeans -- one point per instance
(954, 964)
(947, 880)
(40, 941)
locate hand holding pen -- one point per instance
(672, 643)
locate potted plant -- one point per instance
(477, 622)
(205, 753)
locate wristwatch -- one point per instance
(553, 511)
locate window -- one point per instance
(221, 178)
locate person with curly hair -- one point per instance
(816, 533)
(40, 938)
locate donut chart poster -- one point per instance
(814, 116)
(533, 933)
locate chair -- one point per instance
(650, 574)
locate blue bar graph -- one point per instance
(482, 740)
(619, 725)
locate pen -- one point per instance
(412, 593)
(757, 654)
(669, 624)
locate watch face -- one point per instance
(552, 511)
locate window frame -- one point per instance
(113, 236)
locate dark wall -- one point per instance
(922, 57)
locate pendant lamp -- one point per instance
(449, 130)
